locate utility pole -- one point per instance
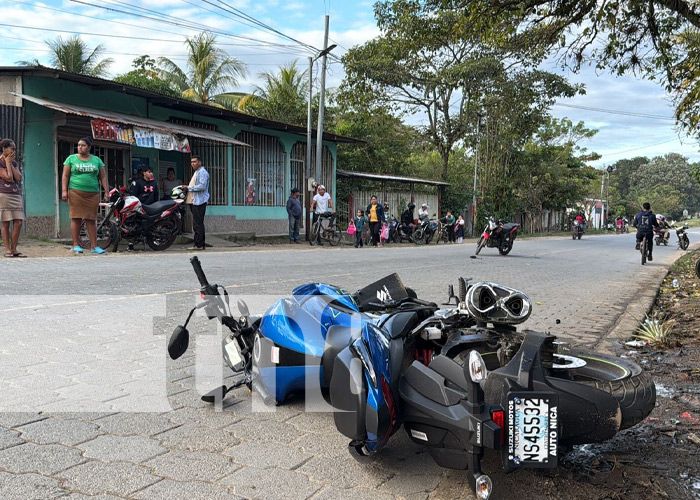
(476, 164)
(307, 170)
(319, 131)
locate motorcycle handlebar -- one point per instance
(199, 272)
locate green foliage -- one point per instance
(445, 70)
(209, 71)
(73, 55)
(282, 97)
(657, 39)
(664, 199)
(145, 76)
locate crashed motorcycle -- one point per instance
(460, 379)
(498, 234)
(157, 224)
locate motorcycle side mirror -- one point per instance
(179, 342)
(243, 308)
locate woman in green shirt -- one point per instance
(82, 175)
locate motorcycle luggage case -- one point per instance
(348, 394)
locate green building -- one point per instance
(253, 163)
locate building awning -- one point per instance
(389, 178)
(161, 126)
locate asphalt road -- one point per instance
(90, 405)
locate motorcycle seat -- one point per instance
(158, 207)
(509, 226)
(338, 337)
(400, 324)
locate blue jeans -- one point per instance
(294, 228)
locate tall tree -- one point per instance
(672, 170)
(436, 66)
(208, 74)
(75, 56)
(282, 96)
(145, 76)
(657, 39)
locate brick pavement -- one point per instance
(89, 407)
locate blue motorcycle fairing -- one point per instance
(280, 381)
(303, 293)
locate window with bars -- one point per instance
(214, 157)
(259, 171)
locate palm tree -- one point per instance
(73, 55)
(208, 73)
(282, 97)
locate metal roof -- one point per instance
(175, 103)
(392, 178)
(112, 116)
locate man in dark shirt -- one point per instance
(645, 221)
(146, 188)
(294, 213)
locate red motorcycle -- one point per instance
(158, 224)
(498, 234)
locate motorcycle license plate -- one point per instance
(532, 429)
(232, 352)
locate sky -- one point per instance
(634, 117)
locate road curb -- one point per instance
(635, 312)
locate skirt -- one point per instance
(11, 207)
(83, 205)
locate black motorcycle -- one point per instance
(425, 231)
(498, 234)
(398, 232)
(157, 224)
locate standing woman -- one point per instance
(82, 174)
(375, 215)
(10, 198)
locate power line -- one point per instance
(616, 112)
(615, 153)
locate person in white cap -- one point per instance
(423, 212)
(322, 203)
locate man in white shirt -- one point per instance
(321, 204)
(423, 212)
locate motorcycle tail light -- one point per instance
(484, 487)
(498, 418)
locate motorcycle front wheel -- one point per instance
(418, 237)
(106, 234)
(163, 235)
(684, 242)
(480, 244)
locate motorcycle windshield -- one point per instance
(342, 297)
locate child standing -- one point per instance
(459, 229)
(359, 220)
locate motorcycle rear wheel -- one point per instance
(105, 235)
(163, 235)
(505, 247)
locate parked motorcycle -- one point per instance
(683, 241)
(398, 233)
(498, 234)
(426, 230)
(577, 231)
(459, 380)
(158, 224)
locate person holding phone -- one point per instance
(11, 207)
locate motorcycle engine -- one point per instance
(130, 224)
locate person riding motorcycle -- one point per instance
(664, 226)
(407, 219)
(582, 221)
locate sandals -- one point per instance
(19, 255)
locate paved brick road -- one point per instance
(89, 405)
